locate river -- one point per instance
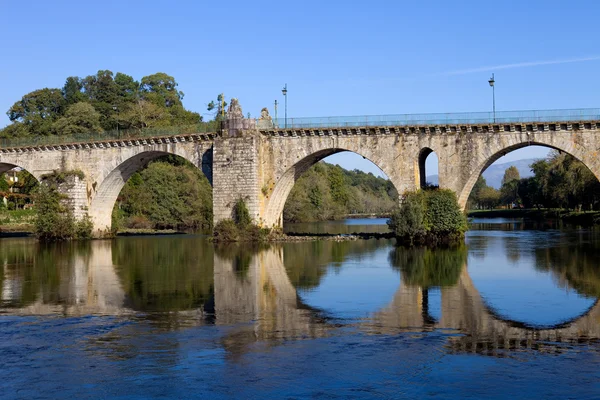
(513, 313)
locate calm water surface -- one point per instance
(511, 314)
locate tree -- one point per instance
(38, 110)
(408, 221)
(144, 114)
(80, 118)
(161, 89)
(219, 107)
(72, 90)
(103, 93)
(511, 174)
(489, 197)
(128, 88)
(509, 192)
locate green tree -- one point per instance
(511, 174)
(38, 110)
(428, 216)
(218, 107)
(54, 221)
(489, 197)
(509, 192)
(408, 221)
(79, 118)
(72, 90)
(103, 93)
(167, 196)
(161, 89)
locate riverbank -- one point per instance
(584, 218)
(18, 222)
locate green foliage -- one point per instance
(165, 196)
(428, 216)
(226, 231)
(100, 102)
(326, 192)
(54, 217)
(79, 118)
(57, 177)
(241, 214)
(511, 174)
(54, 220)
(240, 228)
(37, 111)
(408, 220)
(560, 181)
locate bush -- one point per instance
(241, 228)
(55, 221)
(84, 227)
(139, 222)
(241, 214)
(431, 217)
(226, 231)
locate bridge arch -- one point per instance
(106, 192)
(497, 150)
(273, 216)
(423, 156)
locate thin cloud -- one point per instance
(520, 65)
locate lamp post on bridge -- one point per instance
(491, 82)
(284, 91)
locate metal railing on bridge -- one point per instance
(500, 117)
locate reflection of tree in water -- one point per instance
(512, 248)
(429, 267)
(31, 271)
(240, 254)
(167, 275)
(577, 267)
(306, 262)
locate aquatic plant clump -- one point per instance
(428, 217)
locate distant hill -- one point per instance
(493, 175)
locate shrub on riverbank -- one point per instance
(240, 228)
(428, 217)
(54, 219)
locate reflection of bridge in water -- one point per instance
(257, 298)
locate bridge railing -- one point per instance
(121, 134)
(500, 117)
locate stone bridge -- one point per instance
(261, 161)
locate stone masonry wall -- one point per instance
(235, 175)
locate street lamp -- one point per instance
(117, 110)
(491, 82)
(276, 111)
(284, 91)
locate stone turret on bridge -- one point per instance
(260, 160)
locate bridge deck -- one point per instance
(505, 121)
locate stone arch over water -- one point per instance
(105, 192)
(498, 149)
(281, 188)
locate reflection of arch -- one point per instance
(464, 309)
(497, 150)
(106, 194)
(285, 183)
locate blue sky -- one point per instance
(338, 58)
